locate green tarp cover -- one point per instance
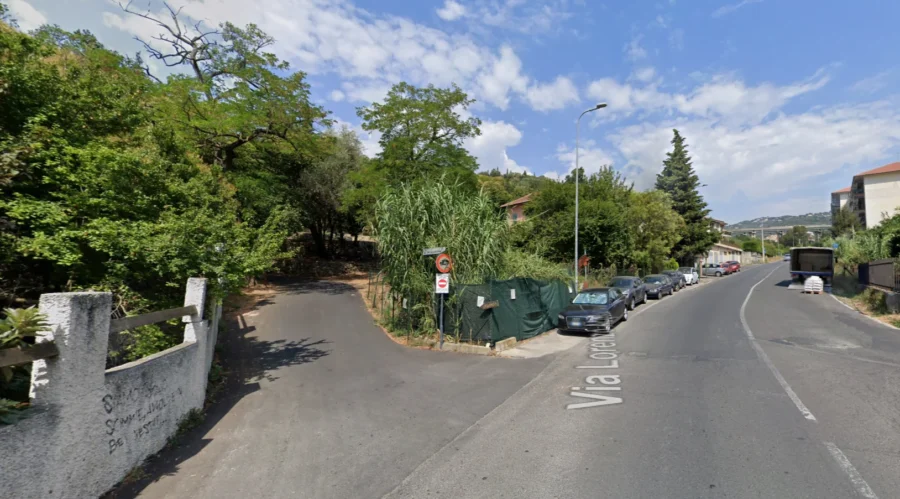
(527, 307)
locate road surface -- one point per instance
(713, 392)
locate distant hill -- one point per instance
(823, 218)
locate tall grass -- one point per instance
(411, 218)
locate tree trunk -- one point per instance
(318, 240)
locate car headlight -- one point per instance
(561, 318)
(597, 318)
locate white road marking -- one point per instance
(858, 482)
(842, 303)
(765, 358)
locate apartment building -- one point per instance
(875, 194)
(839, 199)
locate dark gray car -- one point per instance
(632, 289)
(676, 277)
(593, 310)
(658, 285)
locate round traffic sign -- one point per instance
(444, 263)
(442, 283)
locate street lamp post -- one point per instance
(577, 133)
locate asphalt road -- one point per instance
(707, 393)
(326, 406)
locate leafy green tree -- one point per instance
(105, 197)
(679, 181)
(752, 245)
(603, 221)
(235, 93)
(321, 200)
(422, 133)
(656, 228)
(844, 222)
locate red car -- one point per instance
(731, 266)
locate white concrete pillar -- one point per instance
(71, 388)
(196, 330)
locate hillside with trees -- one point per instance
(823, 218)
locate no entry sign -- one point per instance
(442, 284)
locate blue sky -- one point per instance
(781, 101)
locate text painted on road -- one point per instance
(603, 383)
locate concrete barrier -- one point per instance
(90, 426)
(505, 344)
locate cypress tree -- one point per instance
(680, 182)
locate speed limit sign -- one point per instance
(443, 263)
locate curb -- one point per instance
(506, 344)
(461, 348)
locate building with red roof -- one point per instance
(875, 194)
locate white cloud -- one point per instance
(676, 39)
(366, 92)
(645, 74)
(369, 52)
(451, 11)
(504, 76)
(769, 158)
(722, 97)
(551, 96)
(633, 50)
(590, 157)
(728, 9)
(27, 16)
(874, 83)
(336, 95)
(524, 16)
(490, 147)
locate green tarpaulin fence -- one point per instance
(524, 308)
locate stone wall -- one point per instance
(89, 426)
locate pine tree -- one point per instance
(679, 181)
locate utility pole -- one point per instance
(762, 239)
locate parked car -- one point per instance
(714, 269)
(677, 278)
(690, 275)
(733, 266)
(658, 285)
(593, 310)
(632, 288)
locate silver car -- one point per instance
(714, 269)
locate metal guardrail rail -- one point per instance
(25, 355)
(118, 325)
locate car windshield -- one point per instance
(592, 298)
(655, 279)
(621, 282)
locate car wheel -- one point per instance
(718, 274)
(625, 315)
(630, 306)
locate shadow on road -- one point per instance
(246, 361)
(298, 287)
(785, 283)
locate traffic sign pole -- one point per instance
(442, 287)
(442, 320)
